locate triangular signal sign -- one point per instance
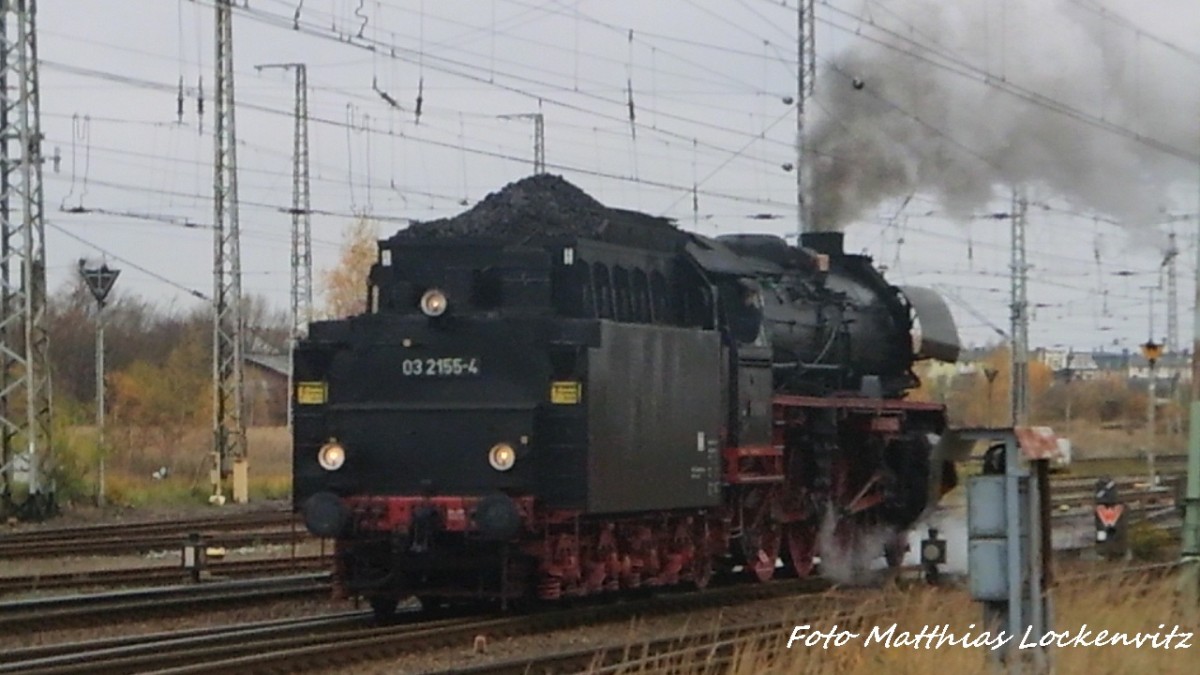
(1109, 515)
(99, 280)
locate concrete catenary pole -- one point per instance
(1190, 554)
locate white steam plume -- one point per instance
(851, 560)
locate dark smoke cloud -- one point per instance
(908, 127)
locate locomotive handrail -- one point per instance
(855, 402)
(457, 406)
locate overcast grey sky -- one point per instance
(1093, 105)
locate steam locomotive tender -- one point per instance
(547, 416)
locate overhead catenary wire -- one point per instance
(122, 259)
(279, 207)
(466, 70)
(342, 124)
(684, 190)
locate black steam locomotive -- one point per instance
(547, 398)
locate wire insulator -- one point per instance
(420, 97)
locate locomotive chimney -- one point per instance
(829, 243)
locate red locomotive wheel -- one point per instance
(801, 547)
(760, 559)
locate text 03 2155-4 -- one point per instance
(448, 366)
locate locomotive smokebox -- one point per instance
(829, 243)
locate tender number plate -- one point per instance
(449, 366)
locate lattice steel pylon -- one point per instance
(539, 138)
(24, 342)
(1169, 259)
(302, 284)
(1019, 394)
(229, 436)
(806, 77)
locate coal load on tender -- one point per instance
(548, 206)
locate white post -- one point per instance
(101, 445)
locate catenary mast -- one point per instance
(24, 341)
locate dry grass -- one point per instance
(1117, 603)
(1090, 441)
(135, 455)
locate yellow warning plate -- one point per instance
(566, 393)
(311, 393)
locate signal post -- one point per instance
(99, 280)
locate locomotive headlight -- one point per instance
(434, 303)
(502, 457)
(331, 456)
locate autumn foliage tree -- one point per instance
(973, 400)
(158, 366)
(156, 404)
(1104, 401)
(346, 283)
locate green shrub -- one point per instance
(1148, 542)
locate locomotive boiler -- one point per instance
(547, 397)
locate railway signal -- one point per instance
(100, 282)
(1151, 350)
(933, 553)
(1111, 533)
(195, 556)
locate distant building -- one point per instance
(1068, 365)
(1171, 369)
(1113, 363)
(266, 389)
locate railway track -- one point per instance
(158, 575)
(715, 648)
(1078, 494)
(78, 656)
(1167, 459)
(294, 643)
(348, 641)
(70, 610)
(1087, 483)
(265, 527)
